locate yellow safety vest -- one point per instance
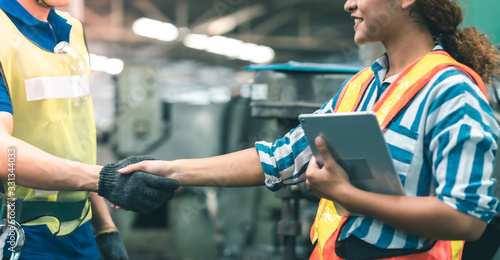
(39, 85)
(396, 97)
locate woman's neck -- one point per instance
(405, 48)
(39, 12)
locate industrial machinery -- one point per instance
(139, 110)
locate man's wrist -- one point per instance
(93, 172)
(99, 168)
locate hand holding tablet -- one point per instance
(357, 144)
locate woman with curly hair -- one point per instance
(429, 95)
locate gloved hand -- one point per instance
(111, 246)
(138, 191)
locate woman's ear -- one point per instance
(407, 3)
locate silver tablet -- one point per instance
(356, 142)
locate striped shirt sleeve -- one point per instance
(461, 133)
(285, 160)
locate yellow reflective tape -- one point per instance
(319, 212)
(327, 222)
(353, 91)
(456, 249)
(423, 67)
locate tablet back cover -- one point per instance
(356, 142)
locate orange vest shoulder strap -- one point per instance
(412, 80)
(351, 95)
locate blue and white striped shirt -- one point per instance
(442, 144)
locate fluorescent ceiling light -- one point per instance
(224, 46)
(114, 66)
(104, 64)
(196, 41)
(217, 44)
(262, 54)
(229, 47)
(155, 29)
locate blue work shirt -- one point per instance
(81, 243)
(44, 34)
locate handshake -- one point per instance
(138, 191)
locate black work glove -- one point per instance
(137, 191)
(111, 246)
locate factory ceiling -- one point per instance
(303, 30)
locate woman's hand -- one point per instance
(330, 180)
(157, 167)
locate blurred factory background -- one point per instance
(189, 79)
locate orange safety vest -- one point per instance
(409, 82)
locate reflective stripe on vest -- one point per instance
(399, 93)
(40, 87)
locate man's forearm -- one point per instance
(35, 168)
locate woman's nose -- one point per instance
(350, 5)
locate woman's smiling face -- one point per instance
(375, 20)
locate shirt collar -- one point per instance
(381, 65)
(15, 9)
(58, 21)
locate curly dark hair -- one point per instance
(467, 46)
